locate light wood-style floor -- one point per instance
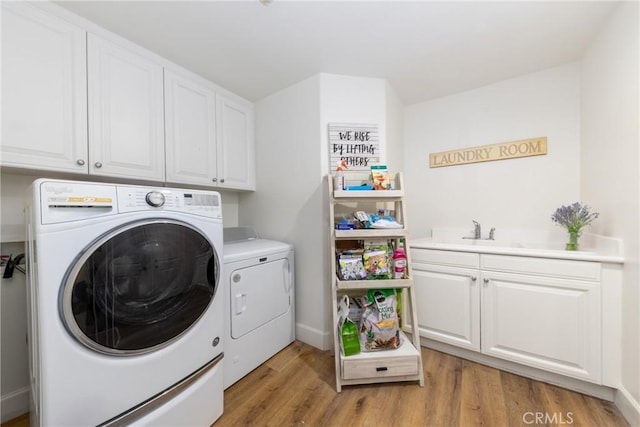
(296, 387)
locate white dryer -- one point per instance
(259, 295)
(125, 311)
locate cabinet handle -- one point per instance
(80, 162)
(486, 281)
(474, 278)
(98, 165)
(214, 179)
(222, 180)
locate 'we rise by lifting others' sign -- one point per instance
(358, 145)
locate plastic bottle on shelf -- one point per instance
(350, 338)
(338, 180)
(399, 264)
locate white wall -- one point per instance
(290, 202)
(589, 110)
(395, 131)
(14, 384)
(610, 170)
(13, 346)
(347, 99)
(501, 194)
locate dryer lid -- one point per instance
(241, 250)
(239, 234)
(242, 243)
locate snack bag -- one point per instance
(379, 324)
(380, 176)
(377, 260)
(351, 267)
(376, 264)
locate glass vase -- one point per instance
(573, 241)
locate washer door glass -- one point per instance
(139, 287)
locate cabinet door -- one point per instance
(553, 324)
(190, 120)
(44, 97)
(126, 118)
(236, 150)
(448, 303)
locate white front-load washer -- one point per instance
(260, 299)
(125, 307)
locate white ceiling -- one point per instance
(425, 49)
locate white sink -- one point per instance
(545, 243)
(482, 242)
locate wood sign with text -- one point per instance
(487, 153)
(357, 144)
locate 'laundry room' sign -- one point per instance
(357, 144)
(487, 153)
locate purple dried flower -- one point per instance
(574, 217)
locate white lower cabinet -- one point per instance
(448, 301)
(544, 313)
(552, 324)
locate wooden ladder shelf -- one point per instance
(405, 362)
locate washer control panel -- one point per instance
(63, 201)
(197, 202)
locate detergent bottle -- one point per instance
(399, 264)
(338, 181)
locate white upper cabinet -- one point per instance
(190, 123)
(126, 118)
(236, 149)
(44, 97)
(76, 98)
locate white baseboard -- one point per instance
(314, 337)
(629, 408)
(15, 404)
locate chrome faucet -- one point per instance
(491, 233)
(477, 233)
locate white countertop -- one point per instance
(525, 243)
